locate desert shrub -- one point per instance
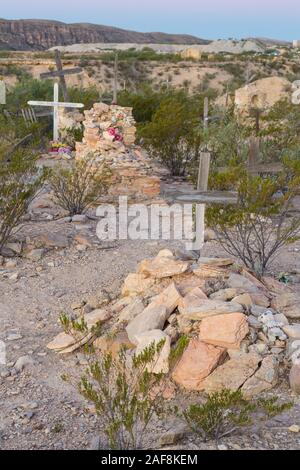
(87, 96)
(280, 132)
(173, 135)
(225, 412)
(144, 102)
(77, 188)
(226, 139)
(28, 89)
(19, 183)
(125, 396)
(258, 226)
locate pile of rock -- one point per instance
(109, 132)
(238, 326)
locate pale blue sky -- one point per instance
(207, 19)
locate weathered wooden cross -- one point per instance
(115, 87)
(55, 104)
(2, 92)
(60, 73)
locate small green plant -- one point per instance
(81, 186)
(57, 427)
(124, 396)
(272, 408)
(225, 412)
(178, 351)
(220, 415)
(70, 325)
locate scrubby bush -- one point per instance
(173, 135)
(225, 412)
(19, 183)
(87, 96)
(77, 188)
(144, 102)
(28, 89)
(226, 139)
(126, 397)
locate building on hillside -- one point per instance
(296, 43)
(262, 94)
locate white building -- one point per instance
(296, 43)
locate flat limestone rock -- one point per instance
(260, 286)
(208, 308)
(226, 331)
(287, 303)
(81, 342)
(165, 254)
(65, 343)
(208, 271)
(97, 316)
(293, 331)
(161, 267)
(131, 311)
(244, 299)
(113, 345)
(237, 281)
(152, 318)
(169, 297)
(61, 341)
(264, 379)
(187, 282)
(136, 284)
(160, 363)
(120, 304)
(260, 299)
(224, 294)
(218, 262)
(197, 362)
(156, 314)
(192, 298)
(275, 286)
(233, 374)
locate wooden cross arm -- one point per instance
(204, 197)
(54, 104)
(60, 73)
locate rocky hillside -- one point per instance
(29, 35)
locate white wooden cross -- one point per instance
(55, 104)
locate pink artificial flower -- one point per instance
(118, 138)
(112, 131)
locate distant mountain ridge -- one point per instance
(30, 35)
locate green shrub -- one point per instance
(225, 412)
(77, 188)
(173, 135)
(258, 226)
(19, 183)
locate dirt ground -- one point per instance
(38, 410)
